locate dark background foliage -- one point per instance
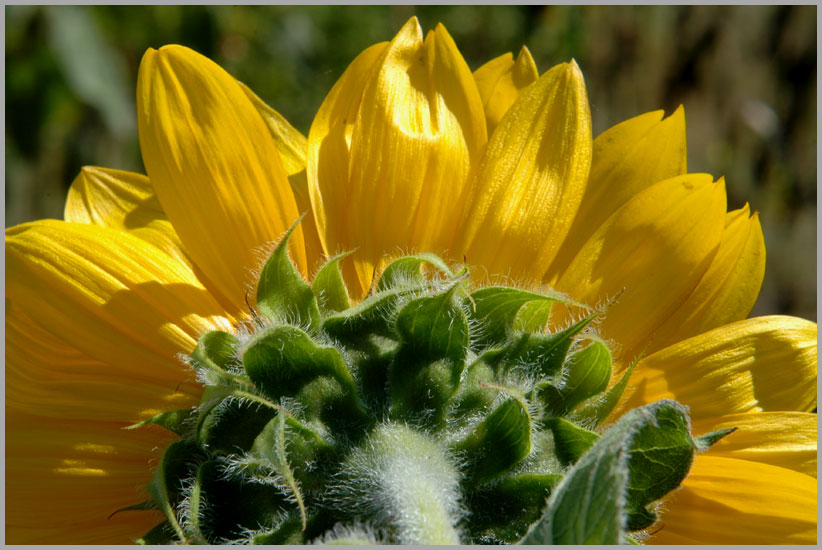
(746, 76)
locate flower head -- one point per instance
(410, 153)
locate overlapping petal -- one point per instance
(501, 80)
(113, 296)
(784, 439)
(759, 364)
(648, 257)
(531, 179)
(214, 166)
(731, 501)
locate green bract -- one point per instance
(427, 413)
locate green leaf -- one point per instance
(705, 441)
(232, 425)
(177, 421)
(216, 354)
(368, 317)
(570, 441)
(585, 374)
(282, 294)
(643, 456)
(284, 361)
(533, 316)
(426, 370)
(407, 271)
(329, 286)
(593, 412)
(496, 308)
(498, 443)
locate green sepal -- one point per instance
(503, 512)
(496, 308)
(541, 354)
(282, 294)
(288, 532)
(594, 411)
(234, 505)
(284, 361)
(215, 354)
(329, 287)
(407, 271)
(232, 425)
(474, 393)
(705, 441)
(426, 369)
(368, 317)
(178, 463)
(533, 316)
(140, 506)
(570, 441)
(177, 421)
(162, 533)
(585, 374)
(498, 443)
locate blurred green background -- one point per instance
(746, 76)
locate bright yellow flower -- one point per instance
(409, 151)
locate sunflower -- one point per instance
(409, 152)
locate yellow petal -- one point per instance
(500, 82)
(759, 364)
(110, 294)
(784, 439)
(627, 159)
(292, 147)
(329, 141)
(45, 376)
(730, 501)
(418, 131)
(70, 476)
(531, 179)
(728, 290)
(213, 165)
(648, 256)
(126, 201)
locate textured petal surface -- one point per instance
(110, 294)
(759, 364)
(500, 82)
(329, 141)
(292, 146)
(126, 201)
(72, 475)
(784, 439)
(730, 501)
(214, 166)
(531, 179)
(626, 159)
(648, 257)
(728, 290)
(420, 129)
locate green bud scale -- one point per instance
(428, 413)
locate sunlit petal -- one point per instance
(648, 257)
(213, 165)
(626, 159)
(500, 82)
(531, 179)
(759, 364)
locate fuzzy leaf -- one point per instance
(282, 294)
(232, 425)
(585, 374)
(499, 442)
(161, 533)
(368, 317)
(496, 308)
(329, 286)
(407, 271)
(284, 361)
(426, 370)
(533, 316)
(643, 456)
(594, 411)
